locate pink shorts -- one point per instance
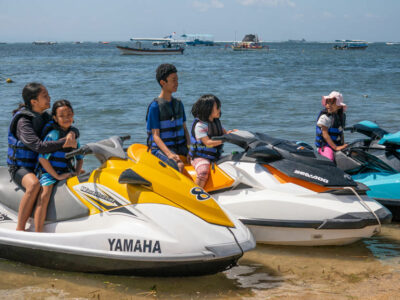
(202, 167)
(327, 152)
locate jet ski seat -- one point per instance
(62, 206)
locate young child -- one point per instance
(203, 149)
(166, 120)
(55, 166)
(330, 124)
(24, 144)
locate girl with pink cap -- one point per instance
(330, 124)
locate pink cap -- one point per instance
(339, 99)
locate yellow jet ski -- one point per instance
(132, 215)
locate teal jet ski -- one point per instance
(374, 161)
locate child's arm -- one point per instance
(78, 167)
(157, 139)
(187, 136)
(328, 139)
(49, 169)
(209, 142)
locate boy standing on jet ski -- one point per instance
(55, 166)
(168, 136)
(330, 125)
(24, 144)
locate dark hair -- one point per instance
(29, 92)
(342, 116)
(203, 107)
(58, 104)
(163, 71)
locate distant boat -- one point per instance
(350, 45)
(249, 43)
(101, 42)
(156, 46)
(44, 43)
(198, 39)
(296, 41)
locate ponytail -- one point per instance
(21, 105)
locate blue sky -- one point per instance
(272, 20)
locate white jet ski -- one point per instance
(288, 195)
(125, 217)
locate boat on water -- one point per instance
(350, 45)
(44, 43)
(198, 39)
(153, 46)
(296, 41)
(250, 42)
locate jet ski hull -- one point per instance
(292, 215)
(119, 244)
(384, 188)
(308, 236)
(113, 265)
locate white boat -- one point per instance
(350, 45)
(161, 46)
(44, 43)
(249, 43)
(148, 51)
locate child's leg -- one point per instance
(41, 207)
(32, 187)
(202, 167)
(327, 152)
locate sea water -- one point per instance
(277, 92)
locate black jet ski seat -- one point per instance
(62, 206)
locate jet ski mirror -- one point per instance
(131, 177)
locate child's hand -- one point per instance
(230, 131)
(339, 148)
(175, 157)
(64, 176)
(70, 141)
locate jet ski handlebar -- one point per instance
(107, 148)
(81, 151)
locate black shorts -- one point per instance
(17, 173)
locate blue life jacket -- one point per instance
(57, 159)
(18, 154)
(198, 149)
(335, 131)
(171, 125)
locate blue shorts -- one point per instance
(47, 179)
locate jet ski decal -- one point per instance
(103, 198)
(200, 194)
(129, 245)
(308, 175)
(4, 217)
(283, 178)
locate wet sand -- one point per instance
(368, 269)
